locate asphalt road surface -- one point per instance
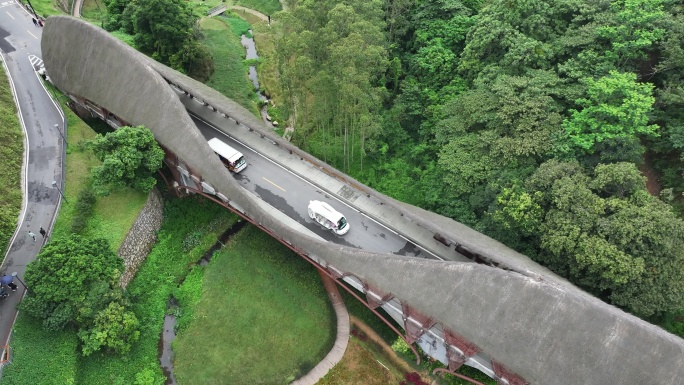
(291, 194)
(20, 46)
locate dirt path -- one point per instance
(249, 10)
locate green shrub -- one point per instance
(400, 346)
(239, 26)
(83, 210)
(276, 115)
(148, 376)
(251, 62)
(188, 296)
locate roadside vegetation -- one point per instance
(94, 11)
(510, 124)
(12, 158)
(267, 7)
(34, 349)
(47, 8)
(222, 39)
(263, 317)
(107, 217)
(190, 227)
(74, 285)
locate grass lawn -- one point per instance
(40, 357)
(94, 11)
(263, 317)
(369, 360)
(361, 366)
(230, 75)
(46, 8)
(267, 7)
(11, 157)
(191, 226)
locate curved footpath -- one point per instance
(247, 10)
(337, 352)
(43, 152)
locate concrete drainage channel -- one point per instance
(168, 333)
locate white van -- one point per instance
(325, 215)
(231, 158)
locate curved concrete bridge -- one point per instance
(506, 315)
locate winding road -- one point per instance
(43, 150)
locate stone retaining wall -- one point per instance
(142, 236)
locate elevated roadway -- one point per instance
(508, 317)
(290, 194)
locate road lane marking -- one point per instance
(35, 60)
(266, 179)
(10, 15)
(33, 35)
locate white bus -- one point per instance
(231, 158)
(328, 217)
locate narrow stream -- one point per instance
(250, 47)
(168, 333)
(251, 53)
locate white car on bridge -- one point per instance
(328, 217)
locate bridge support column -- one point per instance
(371, 296)
(415, 323)
(467, 348)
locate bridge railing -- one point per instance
(217, 10)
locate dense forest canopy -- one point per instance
(532, 121)
(164, 29)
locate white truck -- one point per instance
(328, 217)
(231, 158)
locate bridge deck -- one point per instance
(219, 9)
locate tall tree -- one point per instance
(74, 282)
(602, 231)
(62, 276)
(333, 76)
(129, 156)
(162, 27)
(616, 110)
